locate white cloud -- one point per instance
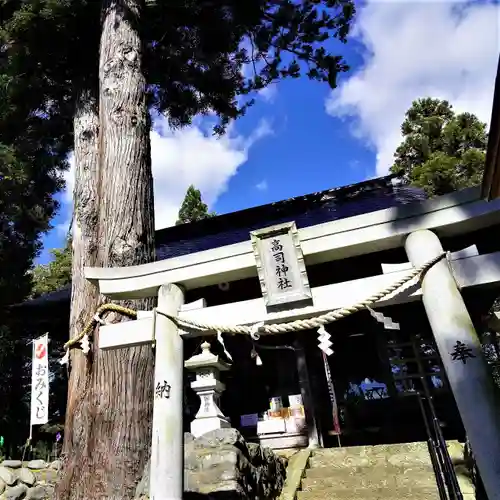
(269, 93)
(188, 156)
(262, 185)
(413, 49)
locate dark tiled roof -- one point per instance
(58, 297)
(308, 210)
(55, 297)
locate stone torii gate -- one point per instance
(167, 442)
(449, 319)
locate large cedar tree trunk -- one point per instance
(108, 423)
(124, 385)
(84, 296)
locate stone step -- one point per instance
(454, 448)
(389, 472)
(397, 456)
(371, 494)
(325, 476)
(328, 471)
(368, 477)
(376, 449)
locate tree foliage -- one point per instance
(193, 51)
(193, 208)
(26, 206)
(54, 275)
(442, 151)
(32, 158)
(35, 137)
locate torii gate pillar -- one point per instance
(167, 446)
(462, 357)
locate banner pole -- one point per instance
(31, 402)
(39, 385)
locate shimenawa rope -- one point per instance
(254, 330)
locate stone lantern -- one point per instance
(208, 387)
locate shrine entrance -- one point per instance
(378, 376)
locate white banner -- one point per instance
(40, 381)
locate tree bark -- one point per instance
(127, 180)
(84, 296)
(108, 422)
(122, 384)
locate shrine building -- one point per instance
(365, 383)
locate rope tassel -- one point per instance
(96, 319)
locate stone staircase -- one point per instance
(389, 472)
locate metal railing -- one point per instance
(446, 476)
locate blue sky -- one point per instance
(301, 137)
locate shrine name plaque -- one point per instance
(280, 265)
